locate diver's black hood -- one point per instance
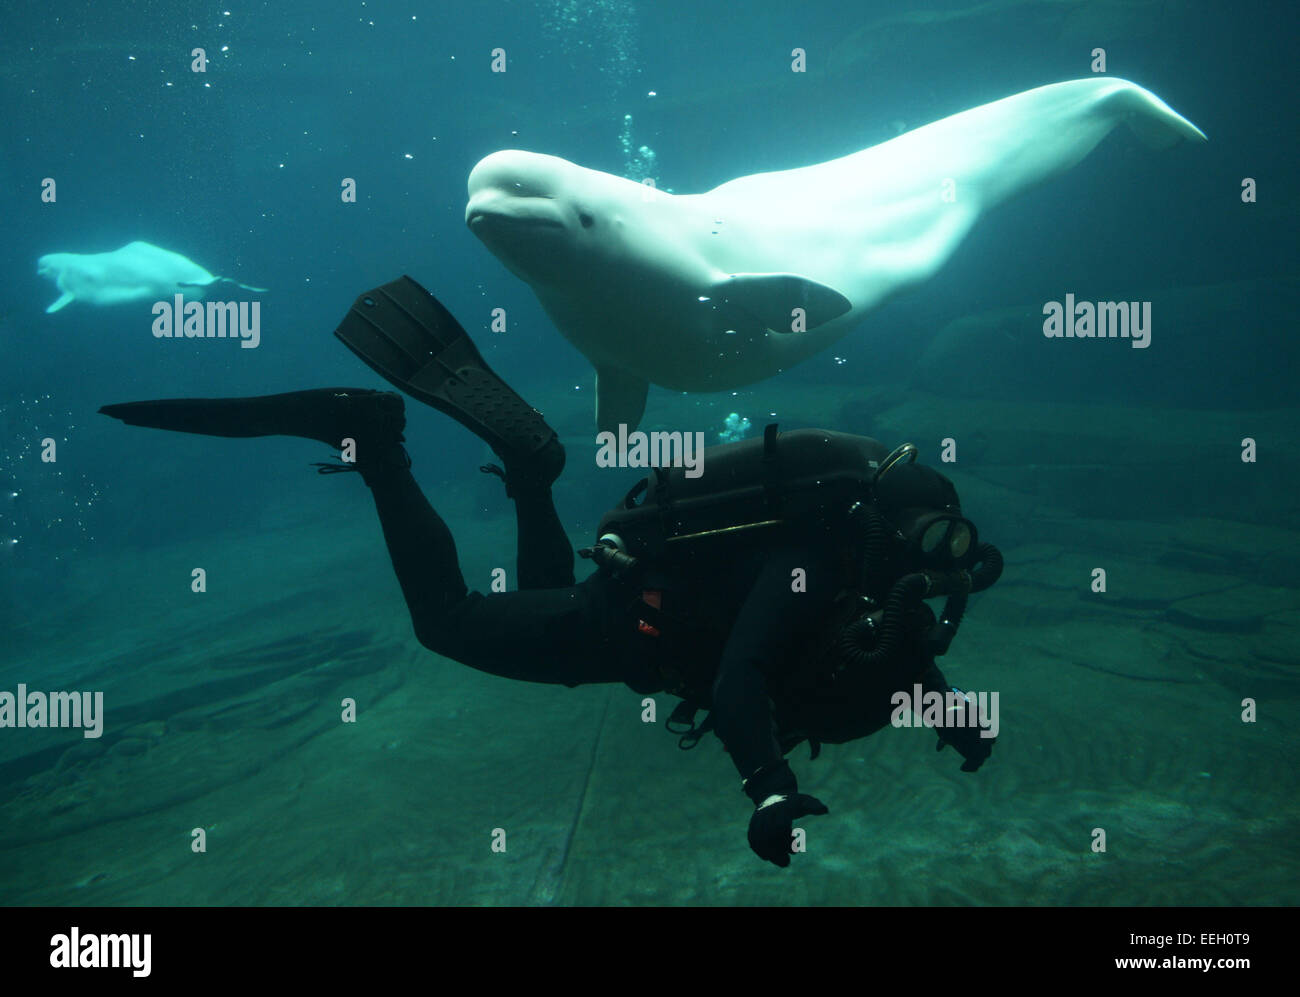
(915, 486)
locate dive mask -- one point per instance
(938, 539)
(923, 505)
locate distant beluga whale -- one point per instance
(136, 272)
(698, 292)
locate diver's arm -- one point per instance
(968, 739)
(743, 720)
(765, 635)
(742, 713)
(774, 614)
(933, 680)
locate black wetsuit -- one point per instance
(749, 620)
(756, 612)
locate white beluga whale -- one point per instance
(138, 271)
(699, 292)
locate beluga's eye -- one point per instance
(586, 219)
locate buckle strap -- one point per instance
(342, 467)
(684, 716)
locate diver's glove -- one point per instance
(778, 804)
(967, 740)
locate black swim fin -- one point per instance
(406, 335)
(325, 414)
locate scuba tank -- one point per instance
(807, 477)
(904, 540)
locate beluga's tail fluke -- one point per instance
(244, 287)
(1157, 124)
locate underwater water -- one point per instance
(1144, 638)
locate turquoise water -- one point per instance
(1122, 709)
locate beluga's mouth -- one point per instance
(509, 217)
(485, 218)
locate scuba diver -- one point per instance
(783, 590)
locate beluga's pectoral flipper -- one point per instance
(620, 399)
(62, 300)
(770, 300)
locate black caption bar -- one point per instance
(167, 946)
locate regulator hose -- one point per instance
(875, 539)
(854, 644)
(987, 568)
(850, 644)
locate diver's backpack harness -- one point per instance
(814, 479)
(810, 475)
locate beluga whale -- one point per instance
(714, 291)
(138, 271)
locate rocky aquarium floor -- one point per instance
(1119, 710)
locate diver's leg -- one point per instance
(420, 546)
(424, 554)
(562, 634)
(406, 335)
(568, 635)
(544, 559)
(545, 556)
(419, 543)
